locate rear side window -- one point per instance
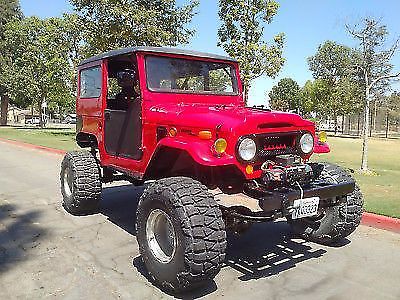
(91, 82)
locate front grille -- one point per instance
(270, 145)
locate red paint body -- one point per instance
(189, 114)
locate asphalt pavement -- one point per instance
(46, 252)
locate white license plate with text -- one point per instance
(305, 207)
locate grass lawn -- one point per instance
(58, 138)
(382, 192)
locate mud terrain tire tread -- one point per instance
(202, 230)
(340, 221)
(87, 186)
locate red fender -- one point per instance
(320, 147)
(200, 150)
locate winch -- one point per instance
(286, 169)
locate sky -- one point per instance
(306, 24)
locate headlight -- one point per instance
(247, 149)
(306, 143)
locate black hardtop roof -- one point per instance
(123, 51)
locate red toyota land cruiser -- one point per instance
(176, 122)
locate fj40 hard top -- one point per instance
(176, 122)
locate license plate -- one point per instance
(305, 207)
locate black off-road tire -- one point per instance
(199, 233)
(80, 182)
(336, 222)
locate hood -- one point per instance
(231, 118)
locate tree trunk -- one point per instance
(349, 125)
(335, 124)
(387, 124)
(370, 122)
(342, 124)
(375, 115)
(5, 100)
(41, 124)
(364, 158)
(358, 125)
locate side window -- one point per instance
(122, 84)
(91, 83)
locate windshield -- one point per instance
(176, 75)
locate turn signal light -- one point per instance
(220, 145)
(322, 137)
(205, 135)
(249, 169)
(172, 132)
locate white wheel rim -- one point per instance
(67, 182)
(160, 235)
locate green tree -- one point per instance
(333, 63)
(392, 104)
(374, 63)
(285, 95)
(9, 11)
(40, 69)
(314, 96)
(113, 24)
(348, 95)
(241, 36)
(74, 33)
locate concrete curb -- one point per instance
(368, 219)
(35, 147)
(382, 222)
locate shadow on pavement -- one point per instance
(197, 293)
(119, 205)
(265, 249)
(19, 235)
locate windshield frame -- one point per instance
(234, 77)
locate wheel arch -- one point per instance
(86, 140)
(169, 161)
